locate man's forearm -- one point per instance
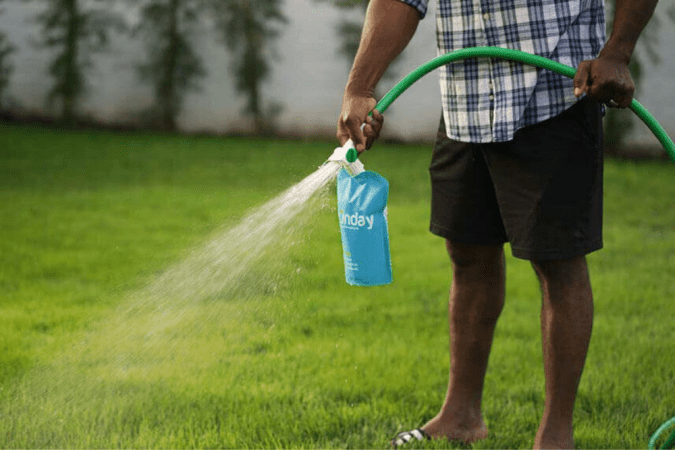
(630, 18)
(388, 27)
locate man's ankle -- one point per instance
(554, 437)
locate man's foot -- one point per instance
(456, 430)
(557, 440)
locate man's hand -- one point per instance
(605, 79)
(355, 109)
(388, 27)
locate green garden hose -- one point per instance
(526, 58)
(670, 442)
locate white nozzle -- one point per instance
(343, 155)
(348, 157)
(340, 153)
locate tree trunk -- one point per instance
(71, 76)
(167, 92)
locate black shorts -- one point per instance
(542, 191)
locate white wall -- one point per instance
(307, 79)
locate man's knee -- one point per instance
(565, 272)
(486, 258)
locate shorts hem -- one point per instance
(465, 239)
(555, 254)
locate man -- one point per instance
(518, 159)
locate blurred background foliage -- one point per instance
(172, 66)
(249, 29)
(171, 32)
(6, 50)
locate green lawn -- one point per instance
(90, 219)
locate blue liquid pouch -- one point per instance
(362, 212)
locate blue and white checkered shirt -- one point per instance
(488, 100)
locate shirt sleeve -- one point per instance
(419, 5)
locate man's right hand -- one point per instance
(355, 109)
(388, 27)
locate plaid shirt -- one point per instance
(488, 100)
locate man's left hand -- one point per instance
(605, 79)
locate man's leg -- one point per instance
(566, 323)
(476, 300)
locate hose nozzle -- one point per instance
(347, 153)
(348, 157)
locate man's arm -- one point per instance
(607, 78)
(387, 30)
